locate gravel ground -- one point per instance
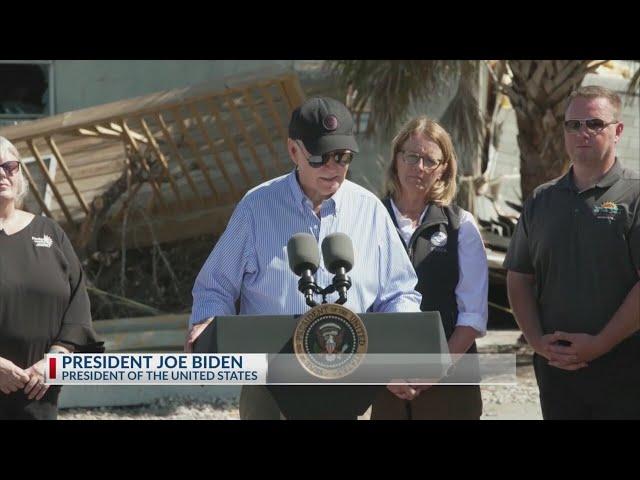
(501, 402)
(172, 408)
(519, 402)
(513, 402)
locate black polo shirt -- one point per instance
(583, 248)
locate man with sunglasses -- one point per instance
(573, 269)
(250, 264)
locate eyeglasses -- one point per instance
(10, 168)
(412, 158)
(593, 124)
(341, 157)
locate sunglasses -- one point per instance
(412, 158)
(593, 124)
(341, 157)
(10, 168)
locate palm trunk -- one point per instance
(542, 153)
(538, 93)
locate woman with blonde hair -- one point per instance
(44, 306)
(447, 252)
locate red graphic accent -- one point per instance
(330, 122)
(52, 368)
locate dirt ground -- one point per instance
(520, 402)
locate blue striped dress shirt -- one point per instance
(250, 259)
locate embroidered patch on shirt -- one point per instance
(44, 241)
(606, 211)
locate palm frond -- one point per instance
(388, 87)
(633, 89)
(464, 120)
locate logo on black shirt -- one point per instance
(44, 241)
(607, 211)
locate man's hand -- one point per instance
(558, 356)
(403, 392)
(581, 348)
(35, 387)
(12, 377)
(541, 344)
(193, 333)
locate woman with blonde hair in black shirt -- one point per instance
(44, 306)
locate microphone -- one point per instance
(337, 251)
(304, 259)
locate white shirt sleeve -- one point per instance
(473, 285)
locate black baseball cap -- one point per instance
(324, 125)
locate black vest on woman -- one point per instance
(433, 250)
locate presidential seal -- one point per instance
(329, 341)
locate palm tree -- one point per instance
(538, 93)
(537, 90)
(390, 87)
(634, 84)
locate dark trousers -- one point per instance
(256, 403)
(440, 402)
(16, 406)
(331, 402)
(607, 389)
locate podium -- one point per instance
(398, 333)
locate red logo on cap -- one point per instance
(330, 122)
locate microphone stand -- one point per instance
(341, 283)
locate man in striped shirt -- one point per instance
(250, 261)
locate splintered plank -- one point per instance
(176, 152)
(34, 190)
(274, 113)
(195, 114)
(50, 181)
(194, 150)
(143, 162)
(247, 138)
(67, 174)
(261, 127)
(228, 140)
(162, 159)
